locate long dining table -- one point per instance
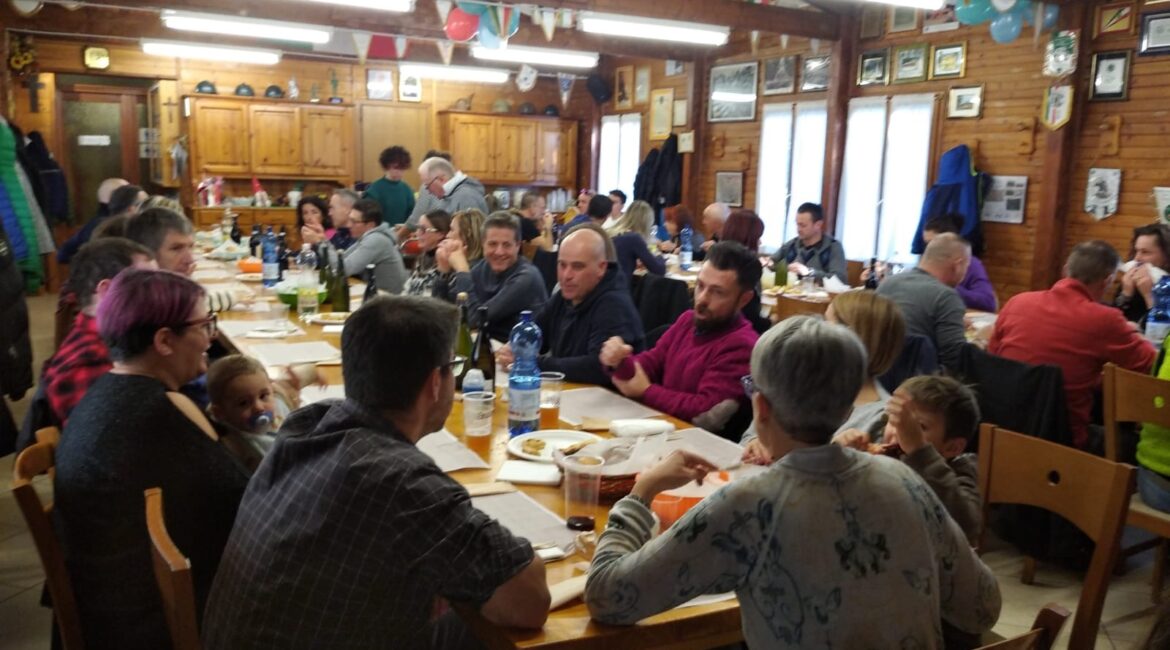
(570, 626)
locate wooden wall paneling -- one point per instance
(384, 124)
(842, 73)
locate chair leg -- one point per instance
(1159, 571)
(1028, 575)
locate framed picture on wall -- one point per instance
(681, 107)
(1155, 37)
(815, 75)
(948, 61)
(1110, 76)
(1117, 18)
(902, 19)
(873, 19)
(733, 92)
(780, 75)
(661, 113)
(965, 102)
(673, 68)
(642, 85)
(729, 188)
(623, 87)
(873, 68)
(409, 88)
(380, 84)
(910, 63)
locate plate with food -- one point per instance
(250, 277)
(330, 318)
(539, 445)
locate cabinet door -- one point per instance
(219, 137)
(275, 139)
(548, 152)
(515, 151)
(469, 139)
(163, 117)
(327, 145)
(566, 175)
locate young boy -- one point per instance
(247, 407)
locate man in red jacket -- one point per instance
(1068, 326)
(697, 364)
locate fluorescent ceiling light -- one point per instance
(181, 50)
(238, 26)
(929, 5)
(453, 73)
(652, 29)
(723, 96)
(377, 5)
(538, 56)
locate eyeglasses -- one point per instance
(749, 385)
(456, 364)
(211, 324)
(429, 183)
(429, 231)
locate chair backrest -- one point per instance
(34, 461)
(1132, 397)
(172, 572)
(853, 269)
(51, 435)
(1091, 492)
(1043, 634)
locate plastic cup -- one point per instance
(550, 399)
(582, 490)
(478, 408)
(278, 315)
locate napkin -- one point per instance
(567, 591)
(1156, 273)
(833, 285)
(631, 428)
(527, 472)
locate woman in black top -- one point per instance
(133, 430)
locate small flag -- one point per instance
(444, 8)
(565, 85)
(548, 22)
(784, 41)
(446, 49)
(361, 43)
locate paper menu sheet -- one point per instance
(448, 453)
(599, 403)
(313, 394)
(720, 452)
(526, 518)
(284, 354)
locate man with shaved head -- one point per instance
(592, 305)
(926, 294)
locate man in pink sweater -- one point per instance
(697, 364)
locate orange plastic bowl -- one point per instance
(250, 265)
(671, 505)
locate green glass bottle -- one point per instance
(463, 339)
(339, 288)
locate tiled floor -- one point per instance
(24, 624)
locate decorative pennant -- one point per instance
(755, 36)
(446, 50)
(401, 45)
(444, 8)
(361, 43)
(1058, 101)
(784, 41)
(814, 44)
(1162, 204)
(548, 22)
(565, 85)
(526, 78)
(382, 47)
(1101, 192)
(1060, 57)
(565, 16)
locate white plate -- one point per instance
(250, 277)
(330, 318)
(553, 438)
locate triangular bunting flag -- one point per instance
(444, 8)
(565, 16)
(565, 85)
(755, 36)
(382, 47)
(814, 44)
(361, 43)
(446, 49)
(1037, 22)
(400, 47)
(784, 41)
(548, 23)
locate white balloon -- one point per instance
(1003, 5)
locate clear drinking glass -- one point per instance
(478, 408)
(582, 490)
(550, 399)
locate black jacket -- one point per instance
(16, 373)
(659, 178)
(573, 336)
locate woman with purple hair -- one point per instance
(133, 430)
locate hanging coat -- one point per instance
(668, 176)
(56, 206)
(644, 182)
(31, 265)
(959, 190)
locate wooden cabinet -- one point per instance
(205, 218)
(162, 115)
(510, 150)
(219, 137)
(275, 137)
(326, 141)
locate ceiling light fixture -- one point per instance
(653, 29)
(929, 5)
(453, 73)
(252, 27)
(537, 56)
(181, 50)
(376, 5)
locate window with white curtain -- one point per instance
(887, 158)
(621, 153)
(791, 167)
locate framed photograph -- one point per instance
(733, 92)
(686, 142)
(815, 75)
(1155, 34)
(409, 88)
(780, 75)
(873, 68)
(965, 102)
(942, 20)
(948, 61)
(380, 84)
(902, 19)
(642, 85)
(873, 19)
(910, 63)
(673, 68)
(729, 188)
(1117, 18)
(623, 87)
(661, 113)
(681, 111)
(1006, 199)
(1110, 76)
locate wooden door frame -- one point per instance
(128, 98)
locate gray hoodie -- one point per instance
(380, 248)
(465, 193)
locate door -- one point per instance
(469, 139)
(275, 139)
(384, 126)
(515, 146)
(162, 110)
(219, 137)
(326, 141)
(100, 129)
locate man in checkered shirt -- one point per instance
(348, 535)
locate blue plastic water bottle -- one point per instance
(1158, 320)
(685, 250)
(524, 380)
(270, 267)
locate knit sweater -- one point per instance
(518, 288)
(691, 372)
(395, 197)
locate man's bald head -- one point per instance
(106, 189)
(714, 216)
(588, 240)
(582, 261)
(947, 257)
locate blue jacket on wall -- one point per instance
(958, 189)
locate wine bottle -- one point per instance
(463, 345)
(481, 353)
(371, 287)
(872, 281)
(339, 287)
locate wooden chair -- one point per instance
(34, 461)
(1134, 397)
(51, 435)
(1090, 492)
(172, 572)
(1045, 629)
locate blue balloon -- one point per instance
(1006, 27)
(974, 12)
(473, 8)
(1051, 16)
(1025, 10)
(487, 37)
